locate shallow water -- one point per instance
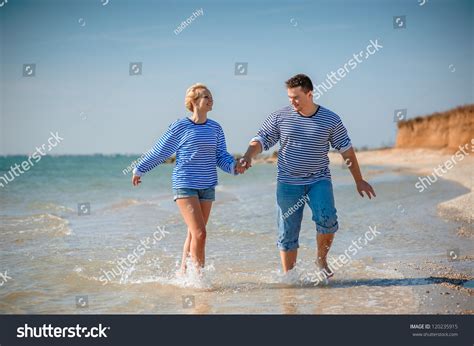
(63, 262)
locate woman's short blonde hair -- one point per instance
(192, 94)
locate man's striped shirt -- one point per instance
(304, 143)
(199, 149)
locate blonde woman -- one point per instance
(200, 147)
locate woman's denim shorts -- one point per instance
(208, 194)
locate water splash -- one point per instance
(194, 277)
(300, 275)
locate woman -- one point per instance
(200, 147)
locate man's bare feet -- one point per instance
(323, 266)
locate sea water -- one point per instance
(68, 223)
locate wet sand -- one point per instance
(446, 294)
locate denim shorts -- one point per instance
(291, 200)
(208, 194)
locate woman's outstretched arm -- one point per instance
(163, 149)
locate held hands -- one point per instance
(242, 165)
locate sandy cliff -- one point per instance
(447, 130)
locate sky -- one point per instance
(82, 51)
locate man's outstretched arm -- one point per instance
(255, 148)
(350, 160)
(267, 137)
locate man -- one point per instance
(304, 131)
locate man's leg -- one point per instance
(325, 216)
(324, 242)
(288, 259)
(290, 214)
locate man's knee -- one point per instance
(326, 222)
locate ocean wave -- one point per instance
(49, 206)
(36, 224)
(123, 204)
(129, 202)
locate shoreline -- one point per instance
(438, 296)
(420, 162)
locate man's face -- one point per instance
(299, 99)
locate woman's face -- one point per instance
(204, 102)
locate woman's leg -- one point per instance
(206, 211)
(190, 209)
(187, 244)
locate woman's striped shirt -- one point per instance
(304, 143)
(199, 149)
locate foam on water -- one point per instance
(36, 224)
(300, 275)
(194, 277)
(49, 206)
(150, 272)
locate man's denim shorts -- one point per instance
(208, 194)
(291, 200)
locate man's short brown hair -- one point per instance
(301, 80)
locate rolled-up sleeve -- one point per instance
(339, 138)
(269, 133)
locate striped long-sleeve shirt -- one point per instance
(199, 148)
(304, 143)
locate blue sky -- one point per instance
(82, 51)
